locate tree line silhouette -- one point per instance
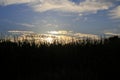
(86, 60)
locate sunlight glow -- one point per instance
(49, 39)
(62, 37)
(58, 32)
(53, 32)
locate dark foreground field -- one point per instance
(73, 61)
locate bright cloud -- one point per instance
(11, 2)
(91, 6)
(73, 34)
(62, 32)
(115, 13)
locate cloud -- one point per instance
(30, 25)
(73, 34)
(115, 13)
(112, 34)
(26, 25)
(51, 25)
(91, 6)
(20, 32)
(82, 35)
(61, 32)
(11, 2)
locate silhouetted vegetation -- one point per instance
(87, 60)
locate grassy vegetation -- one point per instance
(87, 60)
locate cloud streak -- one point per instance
(11, 2)
(115, 13)
(26, 25)
(112, 34)
(20, 32)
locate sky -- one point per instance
(42, 16)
